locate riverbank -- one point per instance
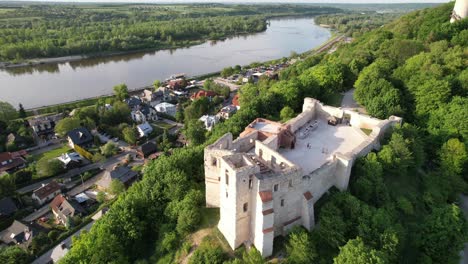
(74, 58)
(63, 83)
(134, 91)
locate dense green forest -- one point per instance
(35, 31)
(401, 204)
(356, 24)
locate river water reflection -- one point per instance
(63, 82)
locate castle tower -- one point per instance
(460, 10)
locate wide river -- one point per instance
(63, 82)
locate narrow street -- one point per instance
(58, 252)
(106, 164)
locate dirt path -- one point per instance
(196, 239)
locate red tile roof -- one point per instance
(5, 156)
(235, 100)
(15, 161)
(266, 196)
(267, 212)
(203, 93)
(308, 196)
(56, 202)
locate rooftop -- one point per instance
(46, 190)
(314, 149)
(267, 127)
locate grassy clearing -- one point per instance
(163, 125)
(52, 153)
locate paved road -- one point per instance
(86, 185)
(38, 213)
(44, 147)
(348, 102)
(232, 86)
(106, 164)
(58, 252)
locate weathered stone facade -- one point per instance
(267, 181)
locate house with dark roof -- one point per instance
(47, 192)
(70, 160)
(122, 173)
(63, 209)
(10, 162)
(147, 149)
(227, 111)
(44, 125)
(144, 113)
(7, 207)
(133, 102)
(81, 137)
(17, 233)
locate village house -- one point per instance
(209, 121)
(64, 209)
(44, 126)
(144, 113)
(227, 111)
(268, 180)
(147, 149)
(7, 207)
(80, 137)
(71, 160)
(122, 173)
(46, 192)
(177, 84)
(141, 112)
(17, 233)
(149, 96)
(166, 108)
(235, 101)
(203, 93)
(11, 161)
(133, 102)
(144, 129)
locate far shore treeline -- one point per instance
(42, 31)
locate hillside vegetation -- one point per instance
(401, 204)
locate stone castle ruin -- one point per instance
(266, 181)
(460, 10)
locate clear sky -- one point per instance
(248, 1)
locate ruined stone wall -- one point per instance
(246, 143)
(272, 142)
(212, 156)
(300, 120)
(270, 155)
